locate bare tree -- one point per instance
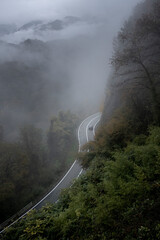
(137, 57)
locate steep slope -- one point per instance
(134, 82)
(118, 197)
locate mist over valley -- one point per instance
(80, 119)
(54, 64)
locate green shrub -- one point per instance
(118, 198)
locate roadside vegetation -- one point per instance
(118, 198)
(30, 166)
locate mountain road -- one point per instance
(86, 133)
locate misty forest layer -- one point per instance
(38, 84)
(118, 197)
(30, 166)
(40, 78)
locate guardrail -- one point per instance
(15, 216)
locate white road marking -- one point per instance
(89, 124)
(40, 200)
(79, 130)
(80, 173)
(61, 179)
(54, 187)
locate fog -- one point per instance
(22, 11)
(64, 66)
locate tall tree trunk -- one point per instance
(156, 103)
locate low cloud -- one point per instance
(21, 11)
(69, 69)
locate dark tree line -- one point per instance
(136, 59)
(31, 165)
(119, 196)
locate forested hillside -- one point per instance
(37, 132)
(30, 166)
(118, 198)
(135, 83)
(41, 77)
(34, 85)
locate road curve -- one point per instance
(84, 135)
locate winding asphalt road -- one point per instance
(84, 135)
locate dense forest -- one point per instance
(40, 78)
(30, 166)
(37, 132)
(118, 196)
(38, 84)
(32, 84)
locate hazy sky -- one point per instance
(21, 11)
(87, 66)
(94, 66)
